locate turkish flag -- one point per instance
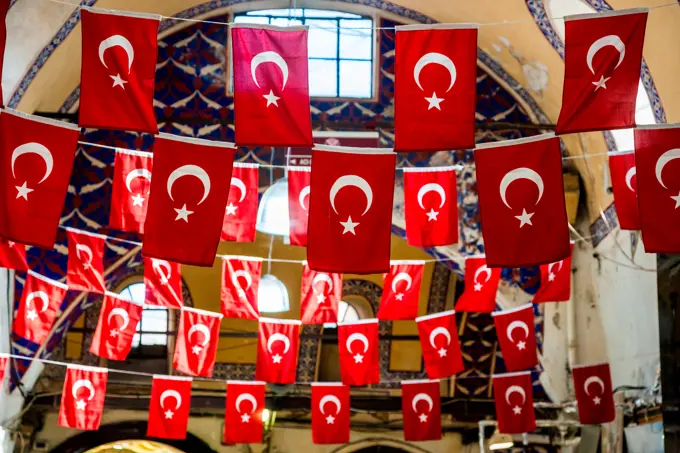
(40, 304)
(12, 255)
(116, 326)
(271, 86)
(521, 201)
(431, 206)
(243, 413)
(434, 104)
(189, 194)
(359, 351)
(197, 338)
(240, 284)
(350, 221)
(603, 56)
(36, 157)
(82, 400)
(440, 345)
(514, 402)
(4, 8)
(330, 413)
(481, 286)
(299, 180)
(401, 291)
(240, 216)
(85, 270)
(169, 407)
(555, 281)
(657, 149)
(517, 337)
(622, 170)
(130, 193)
(163, 283)
(118, 70)
(277, 350)
(320, 296)
(4, 365)
(421, 408)
(594, 394)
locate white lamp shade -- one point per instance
(272, 295)
(272, 213)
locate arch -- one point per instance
(373, 444)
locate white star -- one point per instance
(399, 296)
(478, 287)
(320, 298)
(434, 102)
(118, 81)
(231, 209)
(137, 200)
(525, 218)
(516, 410)
(551, 277)
(423, 418)
(276, 358)
(245, 418)
(601, 83)
(521, 345)
(597, 401)
(442, 352)
(11, 244)
(196, 349)
(23, 191)
(330, 420)
(358, 358)
(349, 226)
(183, 213)
(676, 198)
(31, 315)
(432, 215)
(169, 414)
(271, 98)
(80, 405)
(114, 333)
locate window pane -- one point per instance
(322, 78)
(135, 341)
(285, 22)
(251, 20)
(328, 13)
(155, 320)
(276, 12)
(323, 39)
(346, 312)
(154, 339)
(356, 39)
(137, 292)
(355, 79)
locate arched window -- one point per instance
(347, 312)
(151, 339)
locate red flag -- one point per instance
(401, 291)
(131, 184)
(271, 86)
(434, 104)
(481, 286)
(517, 337)
(431, 206)
(440, 345)
(12, 255)
(241, 214)
(299, 180)
(657, 149)
(359, 351)
(189, 193)
(514, 402)
(421, 407)
(622, 170)
(243, 413)
(603, 55)
(521, 201)
(197, 338)
(320, 296)
(594, 394)
(82, 400)
(37, 158)
(169, 407)
(555, 281)
(240, 284)
(350, 221)
(118, 70)
(277, 350)
(330, 413)
(163, 283)
(4, 7)
(4, 365)
(85, 261)
(40, 304)
(116, 326)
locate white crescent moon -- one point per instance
(663, 160)
(278, 337)
(304, 193)
(242, 273)
(137, 173)
(437, 58)
(122, 313)
(190, 170)
(515, 389)
(517, 325)
(402, 276)
(440, 331)
(117, 40)
(42, 295)
(158, 267)
(200, 328)
(269, 57)
(609, 40)
(483, 268)
(559, 264)
(86, 250)
(245, 397)
(83, 383)
(632, 171)
(521, 173)
(422, 397)
(590, 380)
(171, 393)
(431, 187)
(241, 186)
(356, 181)
(321, 277)
(330, 399)
(34, 148)
(356, 336)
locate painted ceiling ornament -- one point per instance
(276, 358)
(122, 42)
(81, 404)
(178, 402)
(137, 199)
(660, 164)
(42, 152)
(330, 419)
(323, 294)
(609, 40)
(361, 184)
(238, 183)
(269, 57)
(31, 314)
(514, 175)
(358, 357)
(188, 170)
(246, 416)
(522, 344)
(422, 416)
(401, 277)
(440, 59)
(432, 187)
(516, 409)
(202, 328)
